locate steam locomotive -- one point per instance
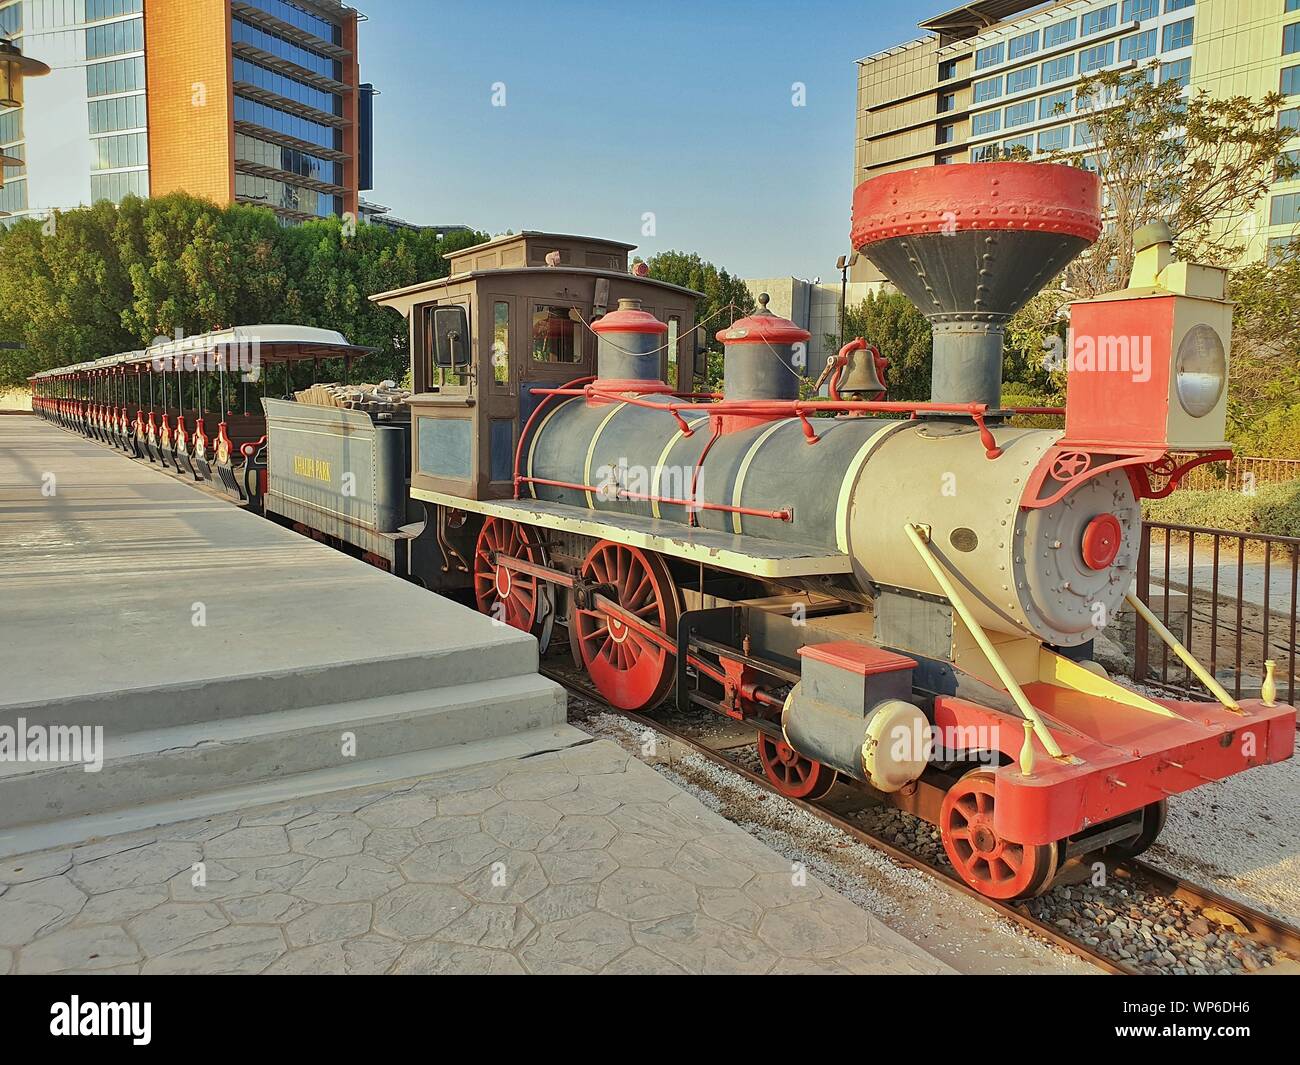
(899, 596)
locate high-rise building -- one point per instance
(249, 101)
(1000, 74)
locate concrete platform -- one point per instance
(219, 652)
(583, 860)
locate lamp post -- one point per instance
(14, 67)
(842, 264)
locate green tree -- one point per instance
(105, 279)
(892, 322)
(1199, 163)
(725, 298)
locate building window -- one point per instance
(1056, 69)
(1177, 35)
(990, 56)
(1291, 81)
(113, 153)
(1282, 248)
(985, 153)
(1284, 210)
(1178, 5)
(13, 197)
(289, 88)
(1058, 33)
(947, 70)
(244, 33)
(1289, 119)
(1026, 142)
(1096, 21)
(501, 342)
(1291, 38)
(1096, 57)
(1180, 71)
(1019, 114)
(1022, 79)
(1058, 103)
(1082, 134)
(1022, 45)
(1137, 10)
(119, 112)
(273, 193)
(943, 160)
(1288, 166)
(947, 102)
(1054, 140)
(115, 38)
(97, 10)
(11, 126)
(1137, 45)
(11, 20)
(291, 160)
(988, 89)
(986, 122)
(16, 151)
(296, 16)
(554, 337)
(115, 187)
(260, 114)
(117, 75)
(945, 134)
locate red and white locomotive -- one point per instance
(905, 602)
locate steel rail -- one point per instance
(1259, 925)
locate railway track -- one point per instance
(1281, 941)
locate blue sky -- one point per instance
(616, 109)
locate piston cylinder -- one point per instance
(850, 712)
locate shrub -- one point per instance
(1274, 509)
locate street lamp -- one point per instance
(842, 264)
(14, 66)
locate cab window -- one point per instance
(556, 336)
(501, 342)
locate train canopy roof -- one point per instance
(272, 343)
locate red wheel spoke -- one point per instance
(628, 669)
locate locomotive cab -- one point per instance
(511, 319)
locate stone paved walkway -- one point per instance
(580, 861)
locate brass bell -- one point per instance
(861, 375)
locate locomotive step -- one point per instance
(182, 771)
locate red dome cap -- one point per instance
(1039, 197)
(763, 326)
(629, 318)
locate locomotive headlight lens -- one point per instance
(1200, 370)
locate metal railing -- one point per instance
(1230, 597)
(1243, 472)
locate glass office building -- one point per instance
(998, 75)
(252, 101)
